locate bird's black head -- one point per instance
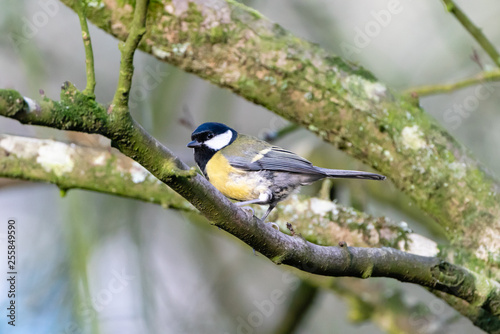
(209, 138)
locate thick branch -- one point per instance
(70, 166)
(280, 248)
(326, 223)
(343, 103)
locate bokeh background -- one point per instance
(94, 263)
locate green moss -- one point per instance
(278, 259)
(75, 111)
(192, 34)
(344, 65)
(11, 102)
(245, 82)
(4, 105)
(368, 271)
(193, 14)
(462, 256)
(218, 35)
(242, 8)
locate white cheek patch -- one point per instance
(220, 141)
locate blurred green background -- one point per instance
(94, 263)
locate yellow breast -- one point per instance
(233, 183)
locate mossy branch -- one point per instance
(137, 30)
(280, 248)
(475, 32)
(342, 103)
(389, 307)
(479, 317)
(71, 166)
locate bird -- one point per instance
(253, 171)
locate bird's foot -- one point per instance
(274, 225)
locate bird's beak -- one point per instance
(194, 144)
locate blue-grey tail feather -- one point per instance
(350, 174)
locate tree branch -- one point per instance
(392, 312)
(476, 33)
(73, 112)
(137, 30)
(70, 166)
(326, 223)
(81, 8)
(481, 78)
(478, 316)
(280, 133)
(341, 102)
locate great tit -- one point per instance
(253, 171)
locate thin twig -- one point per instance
(137, 30)
(447, 88)
(477, 59)
(478, 35)
(278, 134)
(87, 43)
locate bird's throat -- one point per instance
(201, 156)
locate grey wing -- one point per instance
(277, 159)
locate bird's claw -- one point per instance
(249, 210)
(274, 225)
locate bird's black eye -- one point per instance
(210, 136)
